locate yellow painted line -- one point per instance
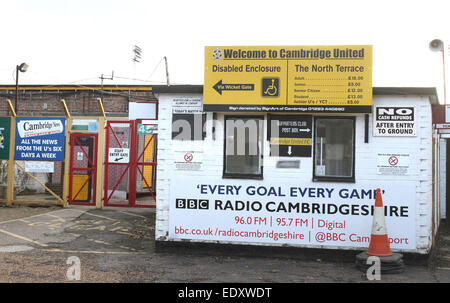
(57, 217)
(101, 227)
(38, 215)
(127, 248)
(91, 252)
(109, 244)
(131, 214)
(22, 238)
(144, 226)
(125, 233)
(20, 219)
(100, 242)
(119, 228)
(103, 217)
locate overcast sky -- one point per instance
(76, 41)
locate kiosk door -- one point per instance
(83, 169)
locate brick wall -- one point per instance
(45, 101)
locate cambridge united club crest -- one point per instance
(217, 54)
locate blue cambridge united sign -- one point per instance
(40, 138)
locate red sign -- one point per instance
(188, 157)
(393, 160)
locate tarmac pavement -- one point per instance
(117, 245)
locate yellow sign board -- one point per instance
(288, 78)
(291, 141)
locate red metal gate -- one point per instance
(82, 169)
(128, 182)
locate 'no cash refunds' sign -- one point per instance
(394, 121)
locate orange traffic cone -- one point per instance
(379, 241)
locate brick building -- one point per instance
(44, 100)
(81, 100)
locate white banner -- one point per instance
(39, 167)
(289, 212)
(33, 128)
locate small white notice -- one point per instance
(188, 160)
(393, 164)
(142, 110)
(39, 167)
(119, 155)
(187, 105)
(79, 156)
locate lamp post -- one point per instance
(438, 46)
(19, 68)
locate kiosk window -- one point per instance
(334, 149)
(243, 153)
(188, 127)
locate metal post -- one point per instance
(66, 177)
(167, 71)
(100, 163)
(11, 162)
(17, 88)
(443, 67)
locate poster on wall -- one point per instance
(5, 126)
(85, 125)
(187, 105)
(394, 121)
(289, 212)
(393, 164)
(39, 138)
(188, 160)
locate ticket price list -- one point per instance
(343, 91)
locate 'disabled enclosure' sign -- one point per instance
(39, 138)
(288, 78)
